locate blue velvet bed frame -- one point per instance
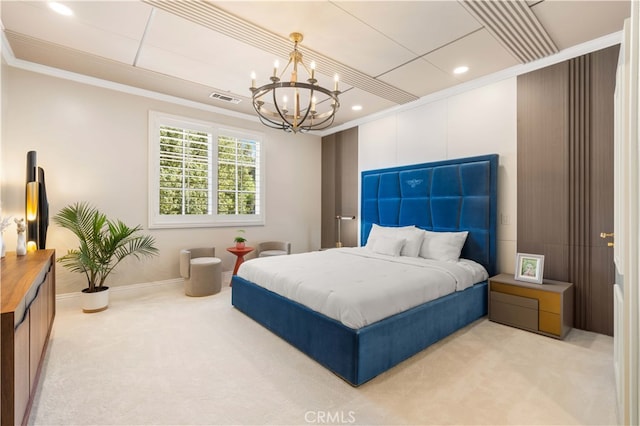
(451, 195)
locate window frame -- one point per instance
(157, 220)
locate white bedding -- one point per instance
(357, 286)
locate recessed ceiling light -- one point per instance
(60, 8)
(357, 107)
(461, 70)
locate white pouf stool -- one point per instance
(202, 275)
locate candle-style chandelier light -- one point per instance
(295, 106)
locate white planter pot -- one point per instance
(94, 302)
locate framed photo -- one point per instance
(529, 267)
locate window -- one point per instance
(203, 174)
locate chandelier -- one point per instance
(313, 107)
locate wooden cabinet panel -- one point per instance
(28, 310)
(38, 332)
(22, 386)
(51, 297)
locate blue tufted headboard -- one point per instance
(449, 195)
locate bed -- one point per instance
(448, 196)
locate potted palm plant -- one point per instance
(104, 243)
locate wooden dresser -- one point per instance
(545, 308)
(28, 309)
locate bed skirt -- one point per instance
(359, 355)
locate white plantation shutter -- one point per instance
(185, 171)
(202, 174)
(238, 174)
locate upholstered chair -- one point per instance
(201, 270)
(273, 248)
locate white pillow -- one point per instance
(379, 231)
(413, 241)
(443, 245)
(388, 245)
(412, 236)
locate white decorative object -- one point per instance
(4, 224)
(21, 246)
(96, 301)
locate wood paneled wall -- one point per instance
(565, 178)
(543, 156)
(340, 187)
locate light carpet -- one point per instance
(159, 357)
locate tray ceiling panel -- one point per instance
(387, 53)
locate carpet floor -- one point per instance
(158, 357)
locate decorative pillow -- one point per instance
(412, 236)
(443, 245)
(388, 245)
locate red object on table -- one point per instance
(240, 253)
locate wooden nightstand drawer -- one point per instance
(550, 323)
(518, 311)
(525, 302)
(547, 301)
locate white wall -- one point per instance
(92, 143)
(477, 122)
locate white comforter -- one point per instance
(357, 286)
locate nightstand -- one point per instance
(545, 308)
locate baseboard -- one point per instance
(124, 288)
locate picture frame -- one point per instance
(529, 267)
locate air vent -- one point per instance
(225, 98)
(515, 26)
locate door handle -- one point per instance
(607, 235)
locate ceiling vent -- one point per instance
(515, 26)
(225, 98)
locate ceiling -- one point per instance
(387, 53)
